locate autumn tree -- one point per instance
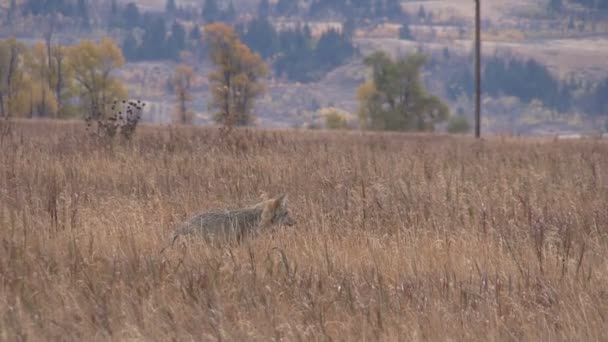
(37, 81)
(60, 78)
(51, 62)
(42, 99)
(395, 98)
(12, 77)
(236, 82)
(33, 81)
(182, 81)
(92, 65)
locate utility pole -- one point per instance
(477, 69)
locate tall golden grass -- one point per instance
(398, 237)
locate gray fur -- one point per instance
(231, 225)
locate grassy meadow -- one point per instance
(399, 237)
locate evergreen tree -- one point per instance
(323, 7)
(421, 13)
(332, 49)
(362, 8)
(393, 10)
(176, 41)
(131, 16)
(195, 34)
(571, 25)
(405, 32)
(170, 7)
(598, 103)
(130, 47)
(287, 7)
(39, 7)
(526, 80)
(211, 11)
(556, 5)
(307, 33)
(153, 41)
(195, 42)
(261, 37)
(297, 55)
(115, 18)
(349, 27)
(594, 4)
(230, 13)
(264, 9)
(12, 11)
(83, 13)
(446, 53)
(299, 59)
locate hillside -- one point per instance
(565, 55)
(570, 44)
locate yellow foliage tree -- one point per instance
(37, 100)
(335, 118)
(60, 78)
(24, 75)
(92, 65)
(236, 82)
(365, 92)
(32, 82)
(12, 77)
(42, 100)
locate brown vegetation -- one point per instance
(398, 237)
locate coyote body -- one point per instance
(234, 224)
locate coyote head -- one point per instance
(275, 212)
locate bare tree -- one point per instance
(182, 80)
(10, 51)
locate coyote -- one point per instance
(237, 223)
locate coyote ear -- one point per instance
(282, 200)
(264, 196)
(273, 204)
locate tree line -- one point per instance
(593, 4)
(61, 81)
(156, 42)
(360, 9)
(584, 10)
(294, 53)
(56, 81)
(241, 57)
(51, 80)
(529, 80)
(74, 11)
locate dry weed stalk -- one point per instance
(123, 118)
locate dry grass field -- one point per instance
(398, 237)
